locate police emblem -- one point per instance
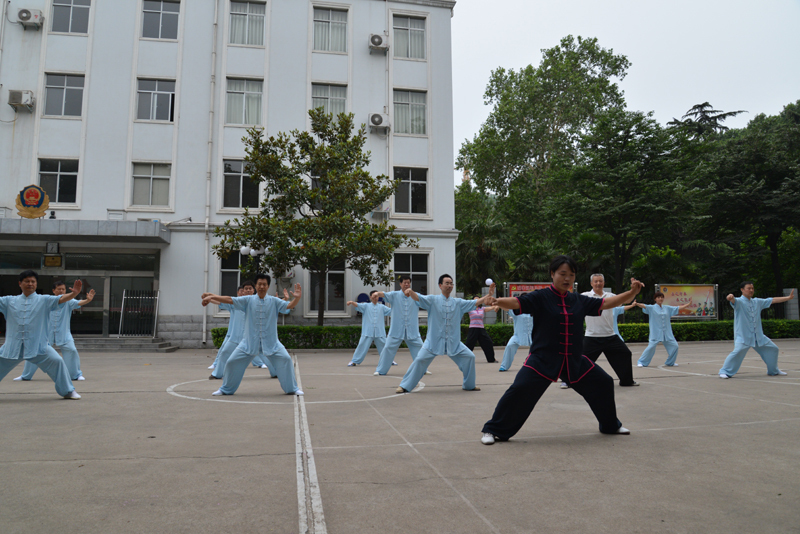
(32, 202)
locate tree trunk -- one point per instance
(323, 288)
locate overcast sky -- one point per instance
(735, 54)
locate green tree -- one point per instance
(702, 121)
(540, 112)
(318, 196)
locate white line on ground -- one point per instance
(309, 499)
(433, 468)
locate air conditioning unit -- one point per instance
(21, 99)
(288, 275)
(378, 121)
(30, 17)
(381, 210)
(378, 41)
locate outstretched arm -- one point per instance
(296, 294)
(506, 303)
(352, 303)
(88, 299)
(631, 306)
(622, 298)
(778, 300)
(74, 291)
(380, 294)
(211, 298)
(487, 299)
(687, 305)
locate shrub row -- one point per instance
(346, 337)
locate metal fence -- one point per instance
(139, 313)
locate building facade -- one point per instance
(131, 114)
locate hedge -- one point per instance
(346, 337)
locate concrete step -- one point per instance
(124, 344)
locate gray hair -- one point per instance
(597, 274)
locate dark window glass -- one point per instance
(249, 193)
(61, 17)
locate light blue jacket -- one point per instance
(444, 322)
(660, 326)
(27, 324)
(747, 321)
(523, 327)
(619, 310)
(260, 323)
(405, 315)
(372, 315)
(235, 324)
(60, 333)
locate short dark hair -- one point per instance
(373, 291)
(403, 277)
(27, 274)
(746, 283)
(247, 283)
(658, 294)
(57, 283)
(558, 261)
(262, 276)
(441, 278)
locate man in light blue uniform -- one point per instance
(444, 334)
(523, 326)
(747, 331)
(260, 336)
(372, 327)
(27, 321)
(234, 336)
(660, 330)
(60, 335)
(404, 326)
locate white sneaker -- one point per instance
(623, 430)
(723, 375)
(639, 365)
(264, 366)
(428, 373)
(218, 393)
(487, 438)
(673, 365)
(394, 363)
(72, 395)
(351, 364)
(81, 378)
(781, 373)
(212, 366)
(376, 373)
(18, 379)
(564, 385)
(298, 392)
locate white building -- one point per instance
(135, 132)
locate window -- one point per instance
(247, 23)
(231, 275)
(334, 291)
(240, 190)
(409, 112)
(71, 16)
(244, 101)
(412, 193)
(414, 265)
(63, 95)
(160, 19)
(59, 179)
(156, 100)
(330, 97)
(151, 184)
(409, 37)
(330, 30)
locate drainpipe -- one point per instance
(209, 164)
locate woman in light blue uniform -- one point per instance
(523, 326)
(60, 336)
(373, 329)
(660, 330)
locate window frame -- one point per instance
(416, 252)
(241, 174)
(154, 100)
(247, 15)
(71, 6)
(65, 88)
(409, 16)
(329, 98)
(244, 94)
(427, 182)
(309, 311)
(395, 103)
(161, 21)
(170, 183)
(59, 174)
(327, 7)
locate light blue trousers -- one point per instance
(49, 362)
(510, 352)
(224, 353)
(71, 358)
(672, 352)
(239, 360)
(768, 353)
(363, 346)
(390, 351)
(464, 358)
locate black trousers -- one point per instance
(517, 403)
(617, 353)
(479, 335)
